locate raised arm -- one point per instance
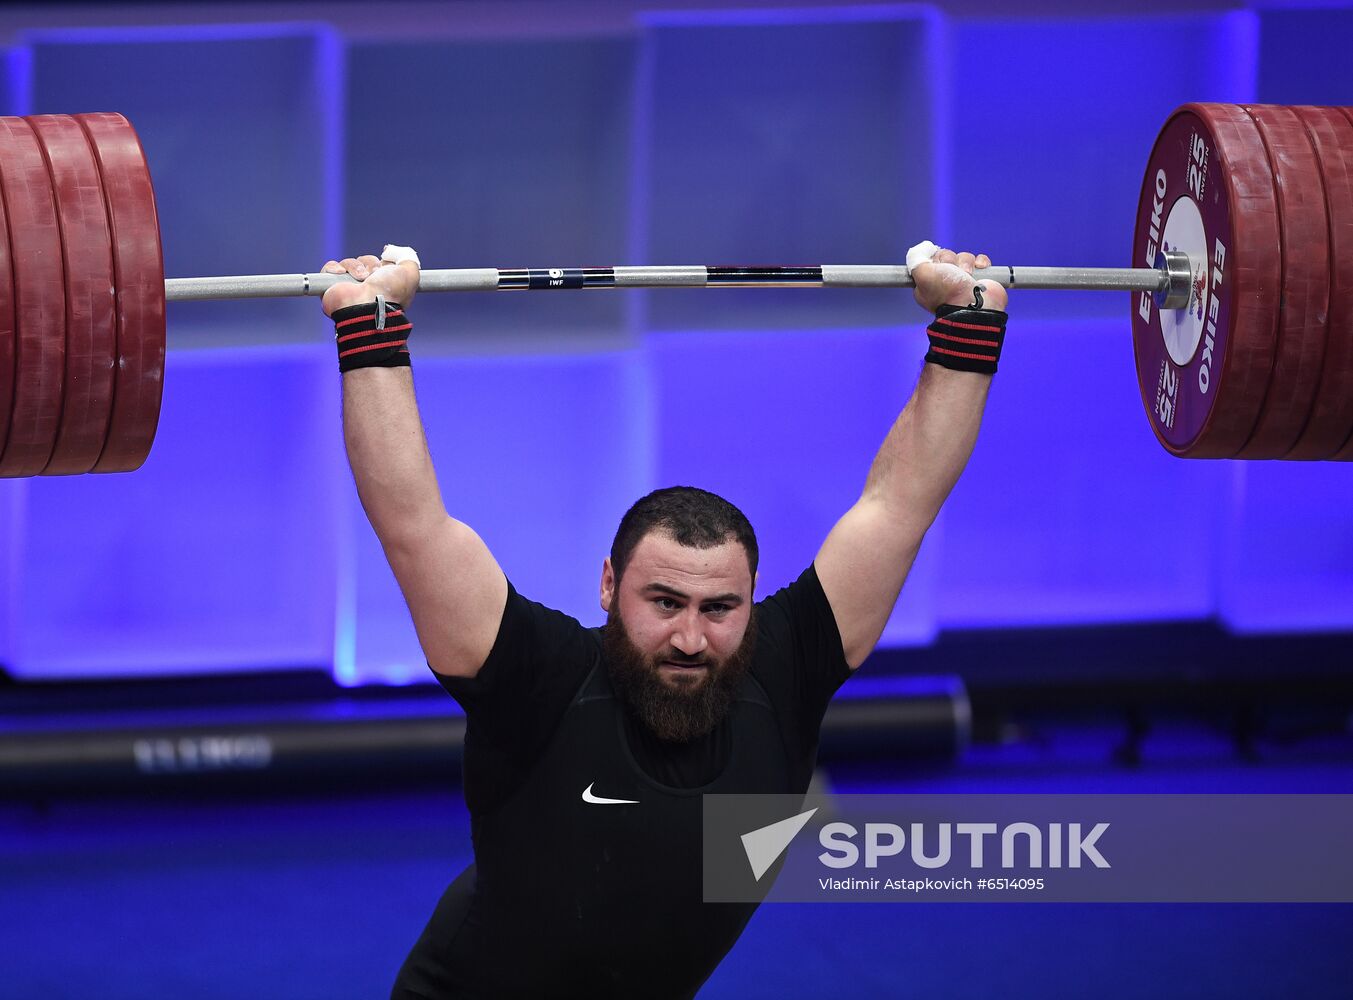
(451, 582)
(868, 554)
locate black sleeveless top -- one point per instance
(571, 896)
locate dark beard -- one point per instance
(676, 714)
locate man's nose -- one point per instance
(689, 635)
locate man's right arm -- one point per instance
(453, 586)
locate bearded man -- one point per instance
(587, 751)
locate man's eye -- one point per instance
(716, 609)
(666, 604)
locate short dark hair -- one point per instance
(693, 517)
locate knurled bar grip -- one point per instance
(1129, 279)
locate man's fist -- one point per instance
(946, 279)
(397, 282)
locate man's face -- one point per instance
(679, 633)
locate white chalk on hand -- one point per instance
(951, 274)
(398, 255)
(921, 253)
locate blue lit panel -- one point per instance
(541, 455)
(217, 555)
(238, 124)
(16, 78)
(1048, 162)
(1303, 56)
(786, 138)
(1069, 511)
(513, 153)
(13, 497)
(1287, 562)
(785, 425)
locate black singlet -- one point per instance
(568, 898)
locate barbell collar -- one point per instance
(1179, 279)
(1169, 281)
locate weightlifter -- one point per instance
(587, 750)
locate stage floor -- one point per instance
(321, 894)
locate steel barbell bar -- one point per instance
(1171, 277)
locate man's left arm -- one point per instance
(868, 554)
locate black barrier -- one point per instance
(415, 738)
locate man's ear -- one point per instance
(607, 585)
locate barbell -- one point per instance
(1242, 297)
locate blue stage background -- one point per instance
(625, 135)
(577, 133)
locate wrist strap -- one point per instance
(967, 339)
(372, 335)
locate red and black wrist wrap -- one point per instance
(372, 335)
(967, 339)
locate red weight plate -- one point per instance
(7, 333)
(1303, 227)
(1331, 417)
(1345, 454)
(39, 301)
(1203, 370)
(139, 270)
(91, 328)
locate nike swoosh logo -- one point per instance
(597, 800)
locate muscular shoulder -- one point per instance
(799, 654)
(540, 654)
